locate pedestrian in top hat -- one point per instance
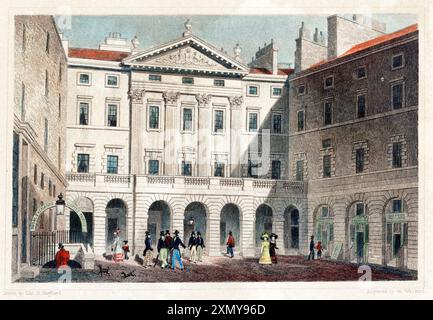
(311, 254)
(230, 244)
(162, 250)
(125, 249)
(176, 251)
(192, 245)
(116, 247)
(62, 257)
(265, 257)
(200, 247)
(273, 247)
(169, 245)
(148, 251)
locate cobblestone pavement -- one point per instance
(220, 269)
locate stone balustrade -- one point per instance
(181, 182)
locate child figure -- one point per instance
(319, 249)
(125, 249)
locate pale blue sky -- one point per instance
(221, 31)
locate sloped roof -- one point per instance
(95, 54)
(369, 44)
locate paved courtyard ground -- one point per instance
(220, 269)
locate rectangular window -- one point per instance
(47, 43)
(24, 37)
(405, 234)
(396, 155)
(153, 167)
(397, 61)
(35, 205)
(396, 206)
(252, 121)
(219, 169)
(397, 96)
(186, 168)
(46, 135)
(153, 117)
(327, 119)
(253, 90)
(359, 160)
(23, 100)
(253, 167)
(361, 73)
(329, 82)
(50, 187)
(187, 80)
(359, 209)
(276, 92)
(154, 77)
(276, 169)
(360, 106)
(187, 119)
(300, 170)
(325, 211)
(82, 162)
(46, 83)
(54, 191)
(301, 120)
(112, 164)
(35, 174)
(326, 166)
(326, 143)
(59, 153)
(84, 78)
(60, 71)
(84, 113)
(218, 121)
(276, 123)
(219, 83)
(42, 184)
(112, 115)
(112, 80)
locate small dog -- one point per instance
(103, 270)
(129, 274)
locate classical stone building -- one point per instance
(353, 137)
(186, 136)
(39, 129)
(180, 136)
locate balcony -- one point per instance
(181, 184)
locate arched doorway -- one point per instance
(291, 228)
(264, 219)
(230, 221)
(324, 228)
(116, 219)
(195, 220)
(158, 219)
(358, 232)
(396, 231)
(75, 230)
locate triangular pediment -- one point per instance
(188, 54)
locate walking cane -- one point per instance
(156, 260)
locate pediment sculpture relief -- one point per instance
(185, 56)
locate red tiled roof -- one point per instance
(371, 43)
(94, 54)
(281, 72)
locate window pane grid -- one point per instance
(112, 164)
(83, 163)
(84, 113)
(112, 115)
(219, 121)
(187, 119)
(252, 123)
(154, 117)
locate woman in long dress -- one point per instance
(265, 257)
(117, 248)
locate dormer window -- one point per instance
(397, 61)
(301, 89)
(361, 73)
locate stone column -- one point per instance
(203, 134)
(170, 133)
(235, 137)
(141, 219)
(177, 223)
(213, 237)
(99, 231)
(136, 135)
(247, 230)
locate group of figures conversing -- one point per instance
(269, 247)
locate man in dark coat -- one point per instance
(169, 245)
(162, 250)
(273, 247)
(192, 245)
(176, 251)
(200, 247)
(311, 254)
